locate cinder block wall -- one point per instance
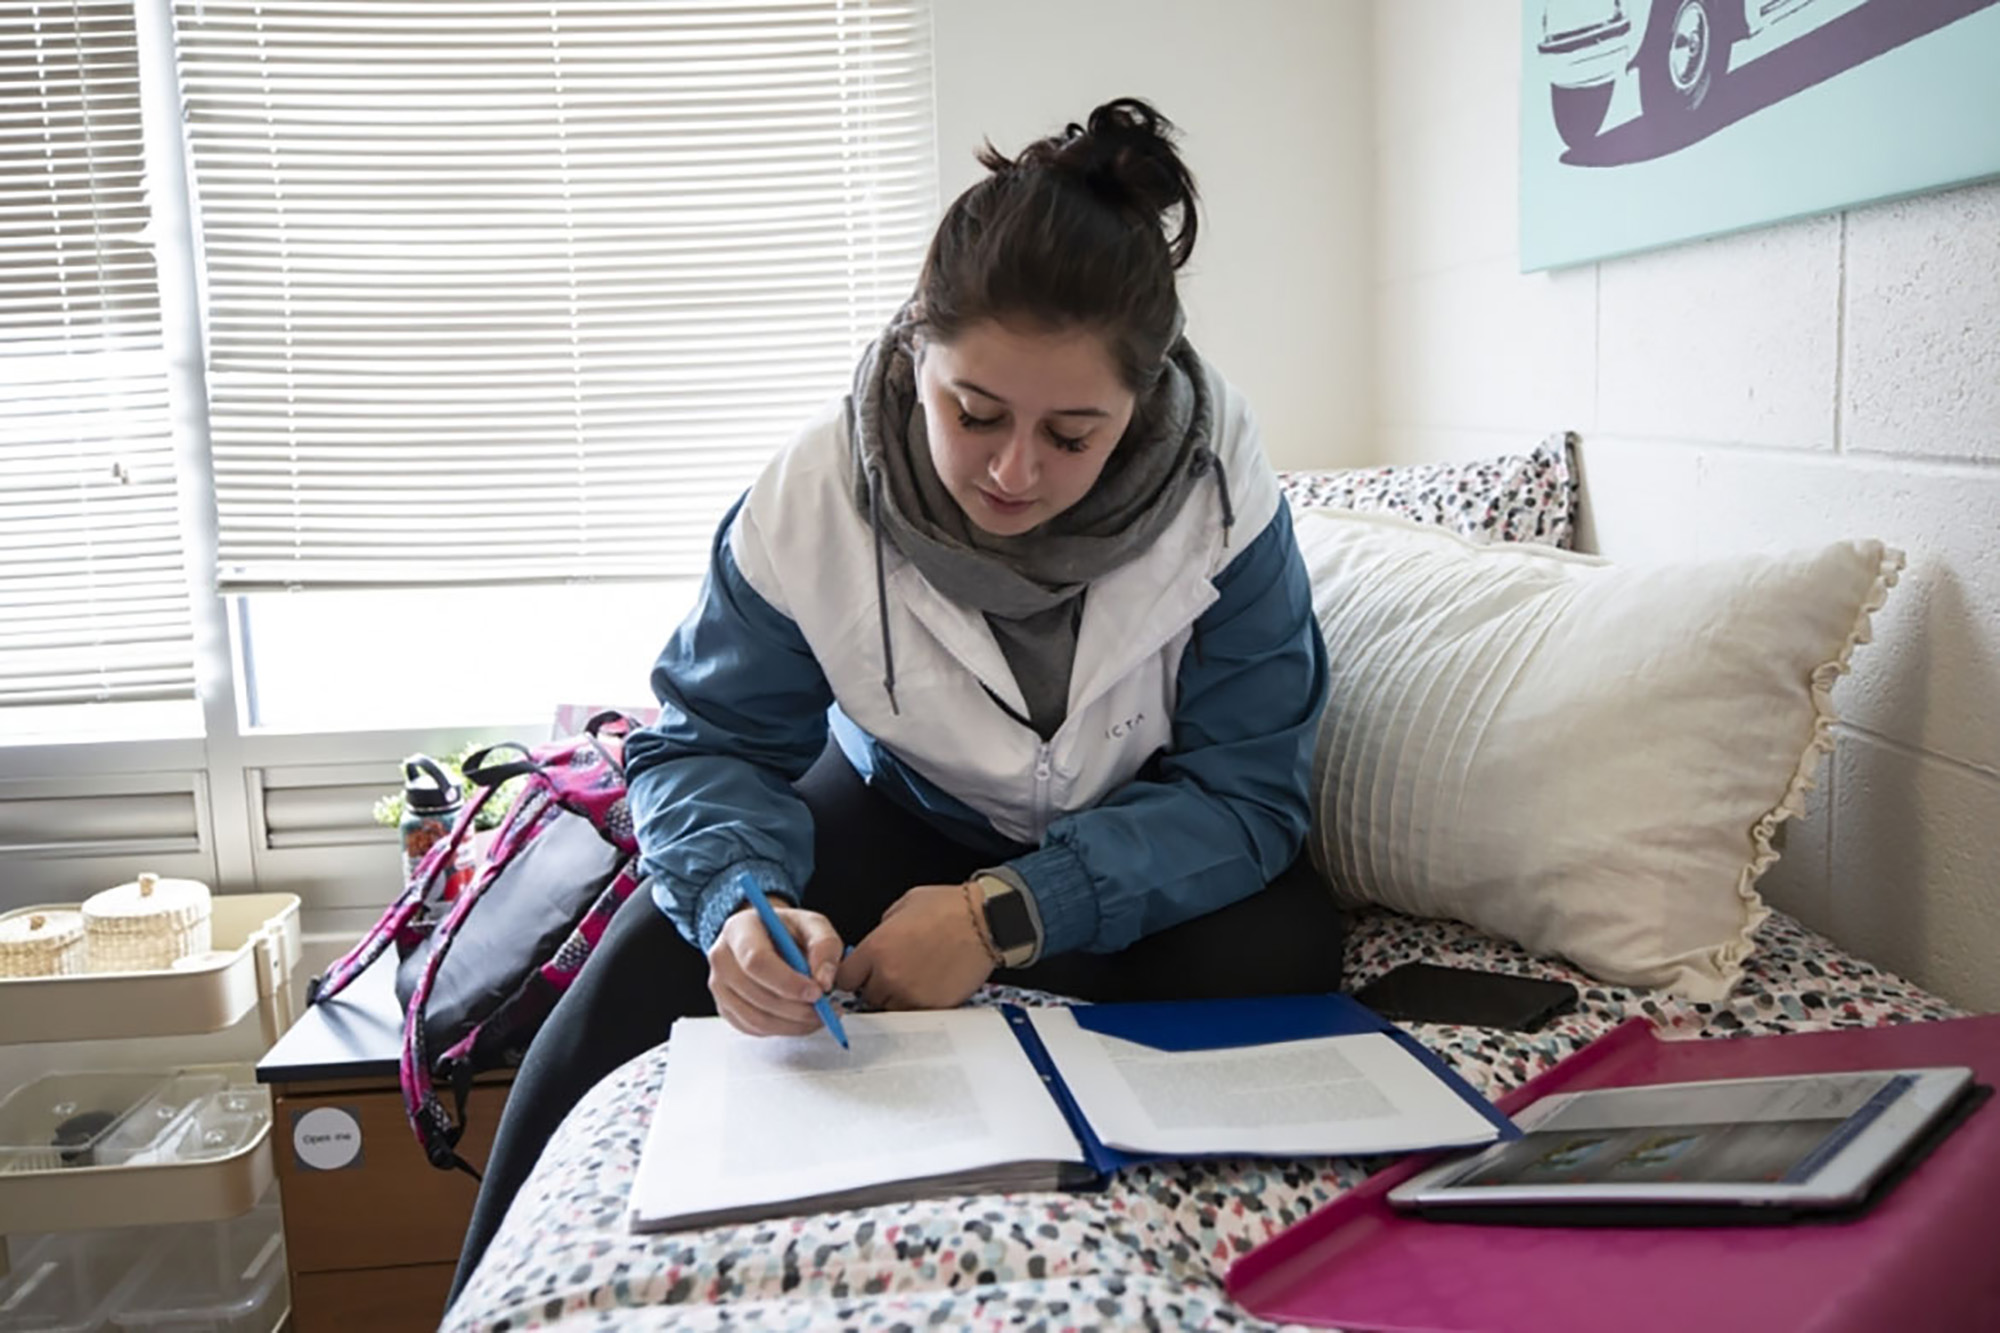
(1828, 378)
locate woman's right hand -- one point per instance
(755, 989)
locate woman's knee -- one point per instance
(640, 978)
(1287, 938)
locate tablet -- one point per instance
(1788, 1144)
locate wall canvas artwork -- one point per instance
(1645, 122)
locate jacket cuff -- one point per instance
(724, 895)
(1060, 897)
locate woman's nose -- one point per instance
(1013, 467)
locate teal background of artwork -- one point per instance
(1921, 116)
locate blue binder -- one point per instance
(1212, 1025)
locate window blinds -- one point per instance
(94, 603)
(508, 292)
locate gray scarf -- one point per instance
(1029, 587)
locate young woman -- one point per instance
(1005, 669)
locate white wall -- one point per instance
(1273, 98)
(1835, 377)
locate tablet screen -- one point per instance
(1808, 1140)
(1766, 1131)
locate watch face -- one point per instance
(1007, 918)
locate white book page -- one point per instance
(754, 1120)
(1322, 1096)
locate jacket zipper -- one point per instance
(1041, 806)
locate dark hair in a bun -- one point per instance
(1072, 231)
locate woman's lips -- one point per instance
(1004, 506)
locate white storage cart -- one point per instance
(159, 1166)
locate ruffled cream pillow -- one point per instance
(1585, 758)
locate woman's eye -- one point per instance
(1072, 444)
(971, 422)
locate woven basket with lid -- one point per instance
(42, 944)
(146, 924)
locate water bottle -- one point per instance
(431, 802)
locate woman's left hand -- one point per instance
(927, 953)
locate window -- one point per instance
(521, 296)
(348, 660)
(438, 336)
(94, 592)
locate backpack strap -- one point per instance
(604, 720)
(442, 855)
(437, 1131)
(355, 961)
(480, 770)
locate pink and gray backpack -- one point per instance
(479, 973)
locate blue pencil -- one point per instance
(788, 948)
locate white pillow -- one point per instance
(1587, 759)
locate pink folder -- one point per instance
(1925, 1256)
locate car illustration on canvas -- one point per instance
(1678, 51)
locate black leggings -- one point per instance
(867, 852)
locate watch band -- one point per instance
(1010, 921)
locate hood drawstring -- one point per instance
(882, 586)
(1204, 461)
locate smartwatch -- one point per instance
(1010, 921)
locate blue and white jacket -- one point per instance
(1175, 785)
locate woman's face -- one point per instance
(1021, 420)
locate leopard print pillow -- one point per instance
(1528, 497)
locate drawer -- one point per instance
(389, 1208)
(409, 1299)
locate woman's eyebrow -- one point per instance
(1059, 412)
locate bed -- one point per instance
(1601, 810)
(1150, 1251)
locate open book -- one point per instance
(979, 1100)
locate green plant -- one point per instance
(388, 808)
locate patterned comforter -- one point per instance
(1149, 1252)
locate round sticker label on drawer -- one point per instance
(326, 1138)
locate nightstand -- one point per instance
(372, 1229)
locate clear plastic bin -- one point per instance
(227, 1277)
(71, 1283)
(61, 1120)
(157, 1126)
(223, 1122)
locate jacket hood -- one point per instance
(1029, 586)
